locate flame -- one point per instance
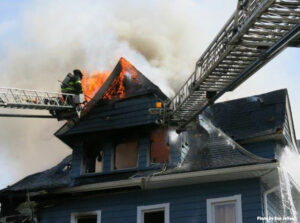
(117, 89)
(93, 82)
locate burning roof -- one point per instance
(93, 82)
(123, 82)
(116, 100)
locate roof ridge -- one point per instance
(285, 90)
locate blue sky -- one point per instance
(17, 16)
(10, 16)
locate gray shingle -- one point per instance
(252, 116)
(58, 176)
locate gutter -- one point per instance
(266, 193)
(176, 179)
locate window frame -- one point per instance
(152, 208)
(75, 215)
(210, 203)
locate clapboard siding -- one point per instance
(265, 149)
(76, 161)
(187, 204)
(121, 114)
(108, 152)
(144, 151)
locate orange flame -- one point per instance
(117, 89)
(93, 82)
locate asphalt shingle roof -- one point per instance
(250, 117)
(57, 176)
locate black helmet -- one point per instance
(77, 73)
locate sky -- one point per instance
(41, 41)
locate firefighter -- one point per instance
(72, 85)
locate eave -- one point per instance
(178, 179)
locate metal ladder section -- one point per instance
(30, 99)
(256, 32)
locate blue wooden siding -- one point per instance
(187, 204)
(265, 149)
(144, 151)
(76, 161)
(122, 114)
(108, 152)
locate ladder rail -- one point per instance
(220, 65)
(211, 54)
(269, 55)
(33, 99)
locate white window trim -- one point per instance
(237, 198)
(151, 208)
(75, 215)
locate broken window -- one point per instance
(126, 155)
(159, 151)
(154, 217)
(87, 219)
(93, 160)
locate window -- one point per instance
(126, 155)
(159, 151)
(224, 210)
(86, 217)
(154, 213)
(93, 160)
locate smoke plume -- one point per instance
(161, 38)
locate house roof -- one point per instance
(211, 148)
(250, 117)
(215, 149)
(57, 176)
(140, 95)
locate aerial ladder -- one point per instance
(256, 32)
(60, 105)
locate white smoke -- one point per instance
(289, 176)
(290, 160)
(163, 39)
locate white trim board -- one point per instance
(235, 198)
(74, 215)
(151, 208)
(205, 176)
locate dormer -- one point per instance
(118, 133)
